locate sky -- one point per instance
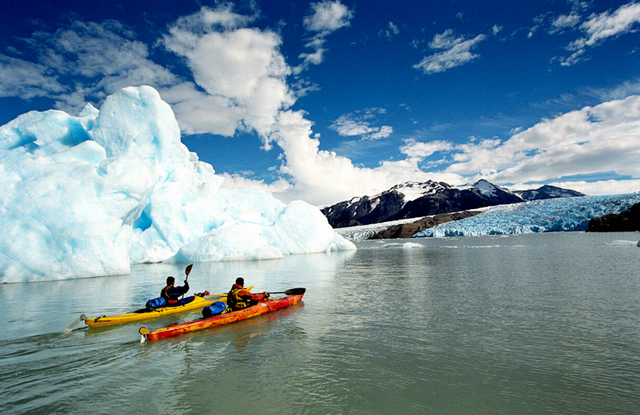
(327, 100)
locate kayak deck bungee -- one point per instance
(198, 302)
(263, 307)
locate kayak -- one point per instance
(103, 321)
(263, 307)
(198, 302)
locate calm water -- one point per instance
(528, 324)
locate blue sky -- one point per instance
(327, 100)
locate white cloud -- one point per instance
(565, 21)
(417, 150)
(79, 63)
(601, 27)
(389, 32)
(245, 87)
(590, 141)
(456, 51)
(325, 18)
(26, 79)
(241, 75)
(358, 124)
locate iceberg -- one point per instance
(89, 195)
(550, 215)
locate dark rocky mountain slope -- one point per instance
(628, 221)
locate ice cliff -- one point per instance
(90, 195)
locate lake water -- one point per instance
(525, 324)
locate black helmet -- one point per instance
(240, 281)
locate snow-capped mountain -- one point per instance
(413, 199)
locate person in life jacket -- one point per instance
(171, 293)
(239, 298)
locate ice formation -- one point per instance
(90, 195)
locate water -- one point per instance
(526, 324)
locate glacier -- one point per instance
(92, 194)
(549, 215)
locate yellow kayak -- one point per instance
(144, 314)
(198, 302)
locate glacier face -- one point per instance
(551, 215)
(90, 195)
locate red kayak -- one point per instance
(263, 307)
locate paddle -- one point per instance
(143, 331)
(75, 323)
(187, 270)
(293, 291)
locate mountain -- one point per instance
(413, 199)
(547, 192)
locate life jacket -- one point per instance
(164, 294)
(234, 300)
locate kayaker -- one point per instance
(171, 293)
(239, 298)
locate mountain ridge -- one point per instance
(417, 199)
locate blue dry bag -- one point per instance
(156, 303)
(214, 309)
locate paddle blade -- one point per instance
(296, 291)
(75, 323)
(188, 269)
(143, 334)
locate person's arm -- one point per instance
(175, 292)
(252, 296)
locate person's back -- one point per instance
(239, 298)
(171, 293)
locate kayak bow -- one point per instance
(206, 323)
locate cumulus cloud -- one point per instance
(454, 51)
(593, 140)
(599, 28)
(239, 72)
(325, 18)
